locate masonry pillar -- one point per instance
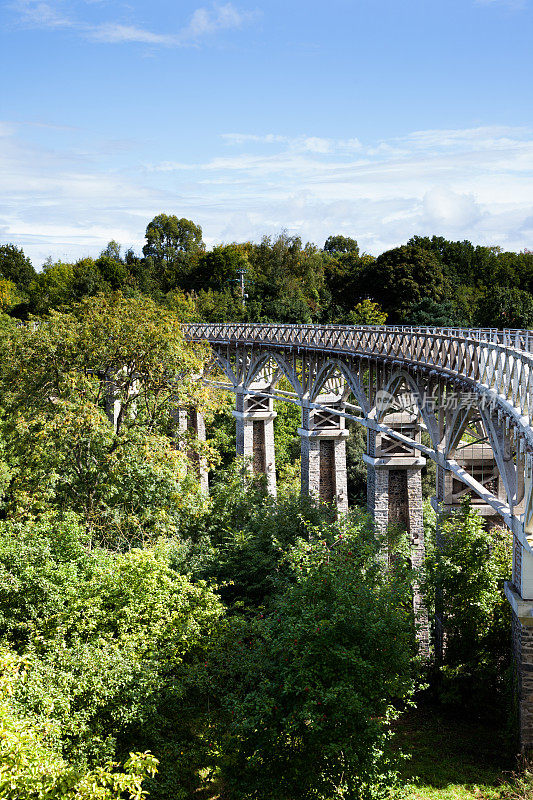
(190, 419)
(196, 423)
(522, 643)
(255, 417)
(323, 449)
(479, 461)
(519, 592)
(112, 403)
(394, 497)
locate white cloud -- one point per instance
(204, 22)
(207, 21)
(313, 144)
(114, 33)
(70, 200)
(444, 208)
(41, 15)
(243, 138)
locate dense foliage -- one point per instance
(427, 281)
(145, 626)
(153, 639)
(463, 585)
(310, 683)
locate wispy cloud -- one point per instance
(204, 22)
(473, 183)
(311, 144)
(115, 33)
(41, 15)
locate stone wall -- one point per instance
(523, 663)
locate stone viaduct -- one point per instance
(463, 398)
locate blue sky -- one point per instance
(377, 119)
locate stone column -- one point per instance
(478, 460)
(522, 643)
(196, 423)
(323, 449)
(192, 419)
(519, 592)
(112, 404)
(255, 417)
(394, 497)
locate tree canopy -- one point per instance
(426, 281)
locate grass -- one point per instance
(454, 759)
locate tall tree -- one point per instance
(171, 245)
(15, 266)
(506, 307)
(401, 278)
(341, 244)
(57, 382)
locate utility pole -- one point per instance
(241, 272)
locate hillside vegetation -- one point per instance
(153, 640)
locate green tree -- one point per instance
(31, 768)
(341, 244)
(60, 285)
(464, 577)
(367, 313)
(308, 686)
(432, 313)
(112, 266)
(15, 266)
(342, 265)
(218, 269)
(213, 306)
(61, 379)
(401, 278)
(9, 295)
(287, 279)
(114, 644)
(506, 307)
(170, 249)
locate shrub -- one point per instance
(307, 689)
(465, 576)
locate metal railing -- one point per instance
(500, 361)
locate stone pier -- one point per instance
(190, 419)
(196, 423)
(519, 593)
(323, 450)
(255, 417)
(522, 642)
(394, 497)
(478, 461)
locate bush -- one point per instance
(115, 643)
(465, 577)
(307, 689)
(31, 768)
